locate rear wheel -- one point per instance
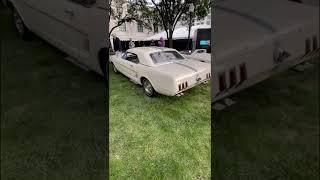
(147, 88)
(21, 28)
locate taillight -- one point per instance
(233, 77)
(222, 81)
(243, 72)
(307, 46)
(208, 75)
(183, 85)
(314, 43)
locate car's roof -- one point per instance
(144, 53)
(150, 49)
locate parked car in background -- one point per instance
(76, 27)
(161, 70)
(257, 38)
(199, 55)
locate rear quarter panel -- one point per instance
(163, 83)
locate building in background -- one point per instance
(133, 30)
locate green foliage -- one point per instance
(167, 13)
(202, 8)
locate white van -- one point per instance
(77, 27)
(257, 38)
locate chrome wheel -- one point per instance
(147, 87)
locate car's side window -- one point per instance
(124, 56)
(131, 57)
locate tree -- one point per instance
(123, 11)
(169, 12)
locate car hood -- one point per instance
(181, 69)
(239, 23)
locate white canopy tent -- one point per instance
(178, 33)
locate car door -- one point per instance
(51, 20)
(89, 27)
(118, 61)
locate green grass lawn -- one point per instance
(272, 132)
(52, 113)
(160, 137)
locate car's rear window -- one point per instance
(165, 56)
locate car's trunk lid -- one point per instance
(181, 69)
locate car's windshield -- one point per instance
(165, 56)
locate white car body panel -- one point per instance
(165, 77)
(73, 28)
(250, 33)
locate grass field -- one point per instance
(52, 113)
(160, 137)
(272, 132)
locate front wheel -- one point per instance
(147, 88)
(21, 28)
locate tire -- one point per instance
(20, 27)
(148, 88)
(114, 69)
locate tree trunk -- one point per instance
(170, 39)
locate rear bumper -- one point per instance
(266, 74)
(204, 81)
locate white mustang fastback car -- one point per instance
(161, 70)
